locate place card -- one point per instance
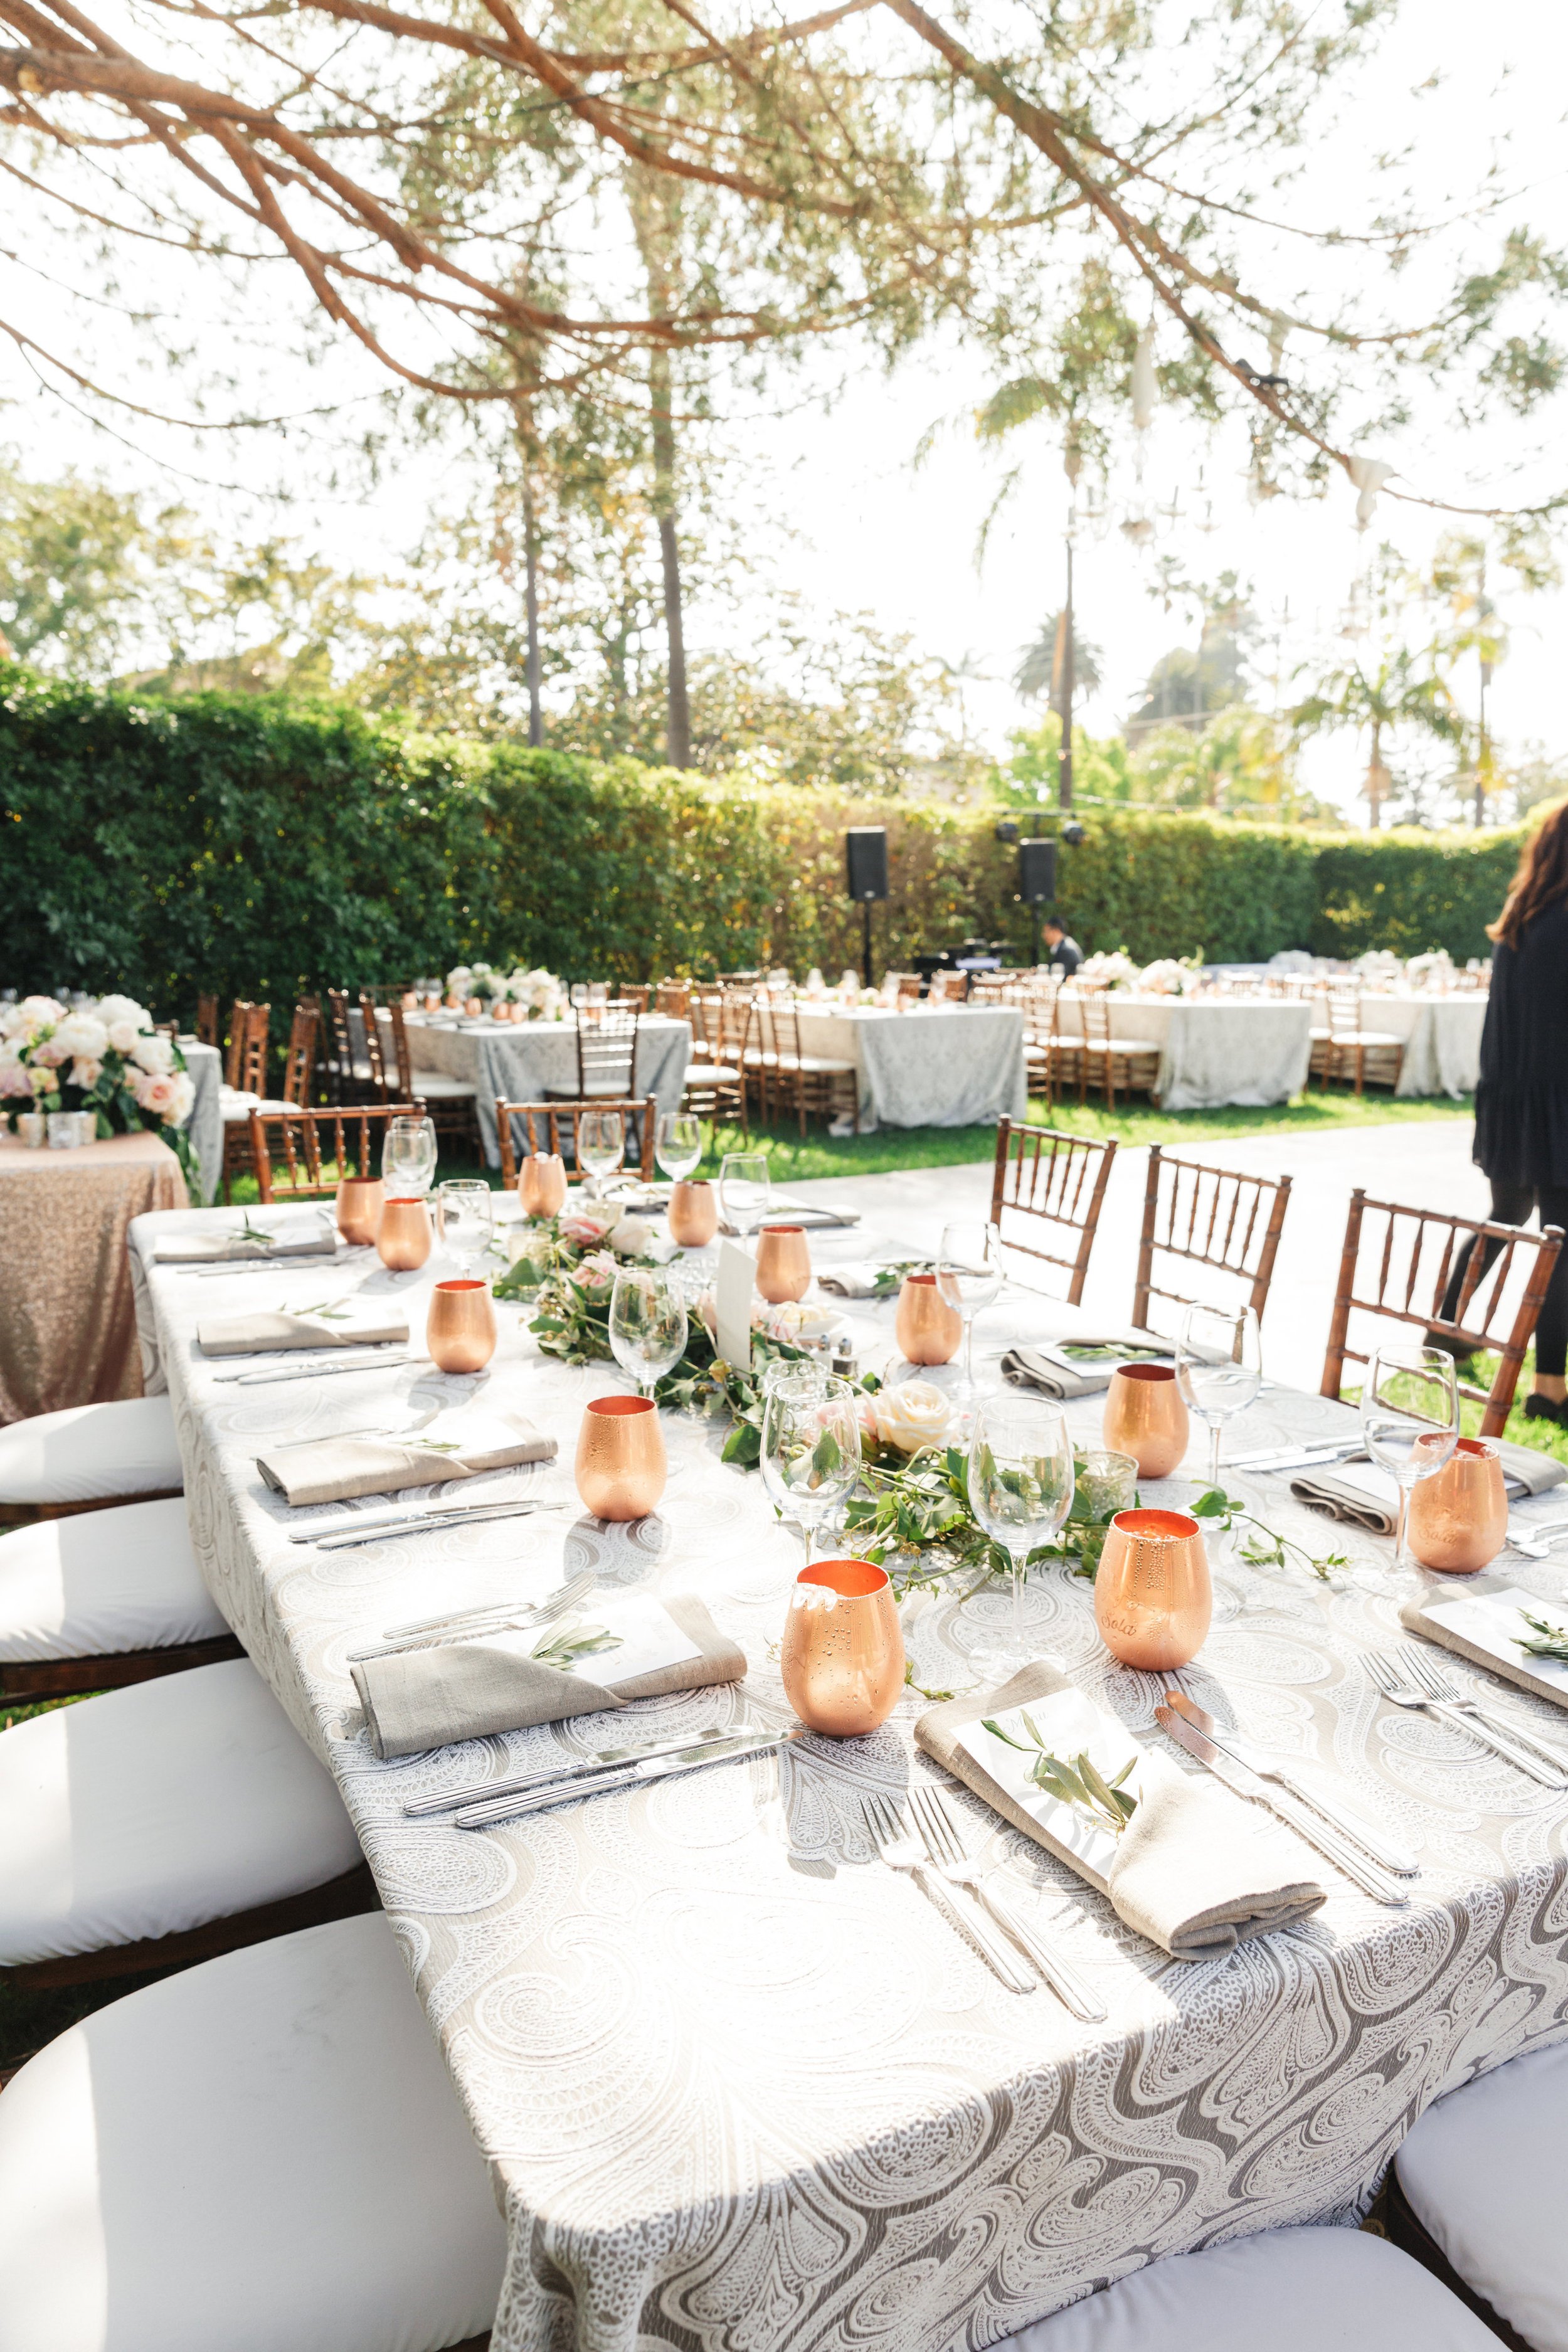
(732, 1302)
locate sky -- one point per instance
(851, 520)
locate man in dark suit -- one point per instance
(1064, 953)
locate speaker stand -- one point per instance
(866, 948)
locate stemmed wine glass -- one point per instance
(408, 1157)
(677, 1144)
(648, 1324)
(745, 1189)
(466, 1211)
(601, 1143)
(1020, 1491)
(1410, 1420)
(811, 1451)
(969, 1276)
(1219, 1368)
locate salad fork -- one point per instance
(1426, 1674)
(1395, 1688)
(899, 1851)
(945, 1843)
(474, 1624)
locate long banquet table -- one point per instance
(1213, 1049)
(740, 2088)
(932, 1065)
(1442, 1037)
(523, 1061)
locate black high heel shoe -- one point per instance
(1544, 1408)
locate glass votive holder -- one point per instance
(1107, 1483)
(33, 1129)
(65, 1130)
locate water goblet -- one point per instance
(969, 1276)
(1410, 1420)
(466, 1211)
(745, 1189)
(1219, 1366)
(648, 1324)
(601, 1144)
(677, 1144)
(811, 1450)
(408, 1157)
(1020, 1491)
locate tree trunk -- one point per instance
(1064, 765)
(677, 708)
(1374, 800)
(531, 602)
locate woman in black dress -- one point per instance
(1521, 1100)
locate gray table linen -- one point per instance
(518, 1061)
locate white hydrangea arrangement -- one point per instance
(542, 995)
(1379, 967)
(109, 1060)
(1166, 977)
(1114, 970)
(1429, 970)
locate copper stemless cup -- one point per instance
(927, 1329)
(403, 1237)
(843, 1651)
(1456, 1520)
(1153, 1598)
(1146, 1416)
(784, 1264)
(360, 1200)
(461, 1332)
(693, 1213)
(621, 1462)
(542, 1184)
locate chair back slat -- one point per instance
(298, 1063)
(540, 1127)
(1049, 1186)
(301, 1154)
(607, 1051)
(1211, 1217)
(396, 1053)
(248, 1049)
(207, 1020)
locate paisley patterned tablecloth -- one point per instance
(740, 2088)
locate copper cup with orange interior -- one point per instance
(360, 1200)
(1153, 1597)
(1456, 1520)
(693, 1213)
(843, 1651)
(460, 1333)
(1146, 1416)
(928, 1328)
(473, 1006)
(403, 1236)
(784, 1264)
(542, 1184)
(621, 1465)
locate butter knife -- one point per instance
(1309, 1825)
(689, 1758)
(569, 1768)
(1348, 1823)
(359, 1363)
(441, 1521)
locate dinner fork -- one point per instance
(474, 1624)
(1389, 1681)
(1426, 1674)
(899, 1851)
(945, 1843)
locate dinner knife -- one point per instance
(1299, 1457)
(455, 1517)
(568, 1769)
(1348, 1823)
(654, 1767)
(359, 1362)
(1309, 1825)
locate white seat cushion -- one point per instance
(1283, 2290)
(1485, 2171)
(433, 1087)
(91, 1453)
(149, 1810)
(710, 1073)
(102, 1584)
(263, 2154)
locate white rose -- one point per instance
(34, 1013)
(113, 1011)
(153, 1052)
(631, 1237)
(86, 1073)
(159, 1096)
(914, 1414)
(182, 1099)
(123, 1036)
(804, 1318)
(79, 1034)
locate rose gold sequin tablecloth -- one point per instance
(68, 1327)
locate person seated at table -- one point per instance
(1065, 953)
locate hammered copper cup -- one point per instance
(843, 1651)
(693, 1213)
(461, 1331)
(784, 1264)
(927, 1329)
(360, 1200)
(1153, 1598)
(403, 1237)
(542, 1184)
(1458, 1518)
(621, 1462)
(1146, 1416)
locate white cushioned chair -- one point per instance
(1282, 2291)
(1484, 2179)
(162, 1823)
(264, 2154)
(92, 1453)
(104, 1598)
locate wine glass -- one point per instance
(579, 997)
(1020, 1491)
(466, 1211)
(1219, 1368)
(677, 1144)
(1410, 1419)
(408, 1157)
(648, 1324)
(811, 1451)
(969, 1276)
(601, 1143)
(745, 1189)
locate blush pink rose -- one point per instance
(587, 1226)
(14, 1080)
(159, 1094)
(597, 1271)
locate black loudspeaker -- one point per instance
(1036, 872)
(866, 858)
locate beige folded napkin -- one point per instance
(254, 1335)
(1366, 1494)
(1048, 1367)
(857, 1280)
(452, 1445)
(1488, 1627)
(1196, 1870)
(469, 1690)
(216, 1249)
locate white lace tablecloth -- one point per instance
(1212, 1050)
(740, 2088)
(941, 1066)
(1442, 1039)
(518, 1061)
(205, 1064)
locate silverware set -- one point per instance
(372, 1356)
(734, 1746)
(474, 1624)
(1533, 1537)
(1409, 1678)
(1378, 1845)
(1297, 1458)
(346, 1536)
(561, 1774)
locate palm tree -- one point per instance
(1399, 696)
(1039, 670)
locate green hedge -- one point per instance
(255, 847)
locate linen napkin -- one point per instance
(320, 1240)
(1048, 1367)
(254, 1335)
(1195, 1870)
(418, 1699)
(1489, 1629)
(449, 1447)
(1363, 1493)
(856, 1280)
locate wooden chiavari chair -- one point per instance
(238, 1037)
(550, 1120)
(298, 1067)
(1210, 1217)
(804, 1083)
(451, 1104)
(908, 985)
(715, 1086)
(1104, 1063)
(299, 1155)
(1357, 1053)
(207, 1020)
(634, 993)
(345, 1060)
(1397, 1264)
(671, 999)
(607, 1050)
(948, 988)
(1058, 1182)
(1044, 1046)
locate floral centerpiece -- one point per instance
(1114, 970)
(1434, 970)
(1379, 968)
(466, 980)
(542, 996)
(109, 1060)
(1166, 977)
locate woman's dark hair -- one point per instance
(1540, 881)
